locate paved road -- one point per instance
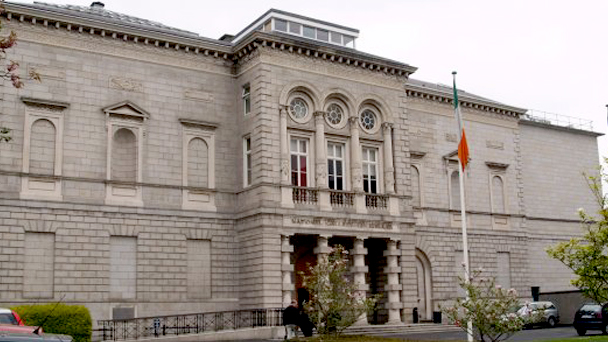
(525, 335)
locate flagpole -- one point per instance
(463, 212)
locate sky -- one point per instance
(545, 55)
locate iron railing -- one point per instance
(558, 120)
(151, 327)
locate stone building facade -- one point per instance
(154, 171)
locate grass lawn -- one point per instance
(579, 339)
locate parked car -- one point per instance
(29, 337)
(591, 317)
(540, 313)
(8, 316)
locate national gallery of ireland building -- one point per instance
(153, 171)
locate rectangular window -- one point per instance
(38, 265)
(280, 25)
(123, 267)
(295, 28)
(322, 35)
(247, 162)
(503, 274)
(246, 99)
(336, 37)
(370, 170)
(199, 269)
(309, 32)
(299, 161)
(348, 41)
(335, 166)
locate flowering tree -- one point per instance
(335, 302)
(491, 309)
(10, 70)
(587, 257)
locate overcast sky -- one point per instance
(548, 55)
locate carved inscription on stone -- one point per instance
(47, 72)
(127, 84)
(451, 137)
(497, 145)
(339, 222)
(198, 95)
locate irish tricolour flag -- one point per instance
(463, 148)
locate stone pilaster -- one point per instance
(321, 161)
(355, 165)
(393, 287)
(389, 170)
(286, 191)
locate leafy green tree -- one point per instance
(335, 302)
(10, 71)
(587, 256)
(491, 309)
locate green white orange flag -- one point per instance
(463, 148)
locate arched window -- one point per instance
(498, 195)
(198, 163)
(124, 156)
(455, 191)
(415, 181)
(42, 147)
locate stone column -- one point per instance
(393, 287)
(389, 170)
(321, 161)
(322, 249)
(355, 165)
(355, 155)
(285, 171)
(359, 270)
(286, 191)
(287, 269)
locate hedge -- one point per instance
(73, 320)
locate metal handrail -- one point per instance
(558, 120)
(157, 326)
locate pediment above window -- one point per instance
(126, 110)
(497, 166)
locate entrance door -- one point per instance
(423, 275)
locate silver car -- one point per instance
(540, 313)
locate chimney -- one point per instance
(97, 4)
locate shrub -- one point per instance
(73, 320)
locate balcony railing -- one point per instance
(558, 120)
(305, 196)
(341, 199)
(159, 326)
(376, 202)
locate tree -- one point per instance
(587, 257)
(335, 301)
(491, 309)
(10, 71)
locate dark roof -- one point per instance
(101, 14)
(448, 91)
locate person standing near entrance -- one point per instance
(291, 316)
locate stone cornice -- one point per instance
(343, 56)
(204, 46)
(464, 101)
(109, 30)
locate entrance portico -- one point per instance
(374, 268)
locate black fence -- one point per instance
(150, 327)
